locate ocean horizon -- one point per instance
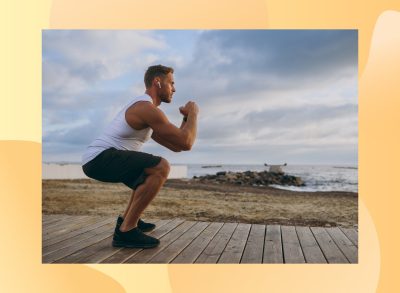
(317, 177)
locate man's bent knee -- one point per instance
(161, 169)
(164, 168)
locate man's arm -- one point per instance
(163, 130)
(165, 143)
(189, 123)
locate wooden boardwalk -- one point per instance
(87, 239)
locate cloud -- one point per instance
(318, 125)
(81, 72)
(262, 93)
(79, 61)
(283, 52)
(242, 60)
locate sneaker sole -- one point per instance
(133, 245)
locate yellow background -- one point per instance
(378, 23)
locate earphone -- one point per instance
(159, 84)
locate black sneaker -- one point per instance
(134, 238)
(145, 227)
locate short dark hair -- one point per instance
(155, 71)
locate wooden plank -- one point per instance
(98, 251)
(344, 244)
(273, 245)
(53, 217)
(61, 221)
(146, 255)
(69, 228)
(172, 250)
(331, 251)
(126, 253)
(84, 229)
(100, 234)
(190, 253)
(65, 226)
(234, 249)
(253, 252)
(352, 234)
(75, 239)
(292, 252)
(49, 219)
(214, 249)
(311, 250)
(79, 256)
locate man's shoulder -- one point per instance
(142, 105)
(142, 108)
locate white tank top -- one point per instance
(119, 134)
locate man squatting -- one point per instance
(115, 157)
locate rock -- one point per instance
(298, 182)
(231, 175)
(250, 178)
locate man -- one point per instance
(115, 156)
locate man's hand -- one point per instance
(189, 108)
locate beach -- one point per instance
(193, 200)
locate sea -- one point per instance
(315, 177)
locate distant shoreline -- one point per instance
(316, 178)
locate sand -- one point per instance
(191, 200)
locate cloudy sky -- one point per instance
(264, 95)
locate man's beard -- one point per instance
(165, 98)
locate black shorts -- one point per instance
(114, 165)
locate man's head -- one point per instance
(160, 79)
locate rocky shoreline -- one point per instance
(251, 178)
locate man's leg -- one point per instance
(129, 204)
(144, 194)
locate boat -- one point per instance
(276, 168)
(211, 166)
